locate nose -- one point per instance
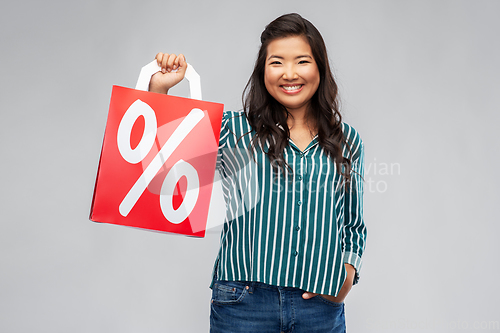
(290, 73)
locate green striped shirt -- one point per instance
(289, 229)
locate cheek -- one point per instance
(312, 76)
(316, 84)
(268, 82)
(314, 79)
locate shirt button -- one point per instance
(299, 177)
(295, 253)
(297, 228)
(299, 203)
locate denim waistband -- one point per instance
(259, 285)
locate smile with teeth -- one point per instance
(294, 88)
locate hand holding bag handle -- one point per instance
(150, 69)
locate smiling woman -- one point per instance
(294, 233)
(292, 78)
(291, 74)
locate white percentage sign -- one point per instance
(179, 169)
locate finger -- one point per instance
(170, 62)
(176, 63)
(158, 58)
(182, 63)
(163, 64)
(308, 295)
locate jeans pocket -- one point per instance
(324, 300)
(228, 292)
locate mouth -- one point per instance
(292, 89)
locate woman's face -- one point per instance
(291, 74)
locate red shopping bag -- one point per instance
(158, 159)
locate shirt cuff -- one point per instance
(354, 260)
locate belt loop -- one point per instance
(251, 287)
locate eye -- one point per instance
(275, 63)
(304, 62)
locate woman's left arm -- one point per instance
(354, 238)
(354, 231)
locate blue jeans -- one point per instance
(248, 307)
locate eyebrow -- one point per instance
(297, 57)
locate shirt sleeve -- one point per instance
(224, 133)
(354, 237)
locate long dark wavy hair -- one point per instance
(264, 112)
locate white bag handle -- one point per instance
(152, 68)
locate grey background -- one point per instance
(419, 80)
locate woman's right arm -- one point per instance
(173, 69)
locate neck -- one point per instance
(300, 119)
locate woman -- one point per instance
(292, 172)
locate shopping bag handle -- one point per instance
(152, 68)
